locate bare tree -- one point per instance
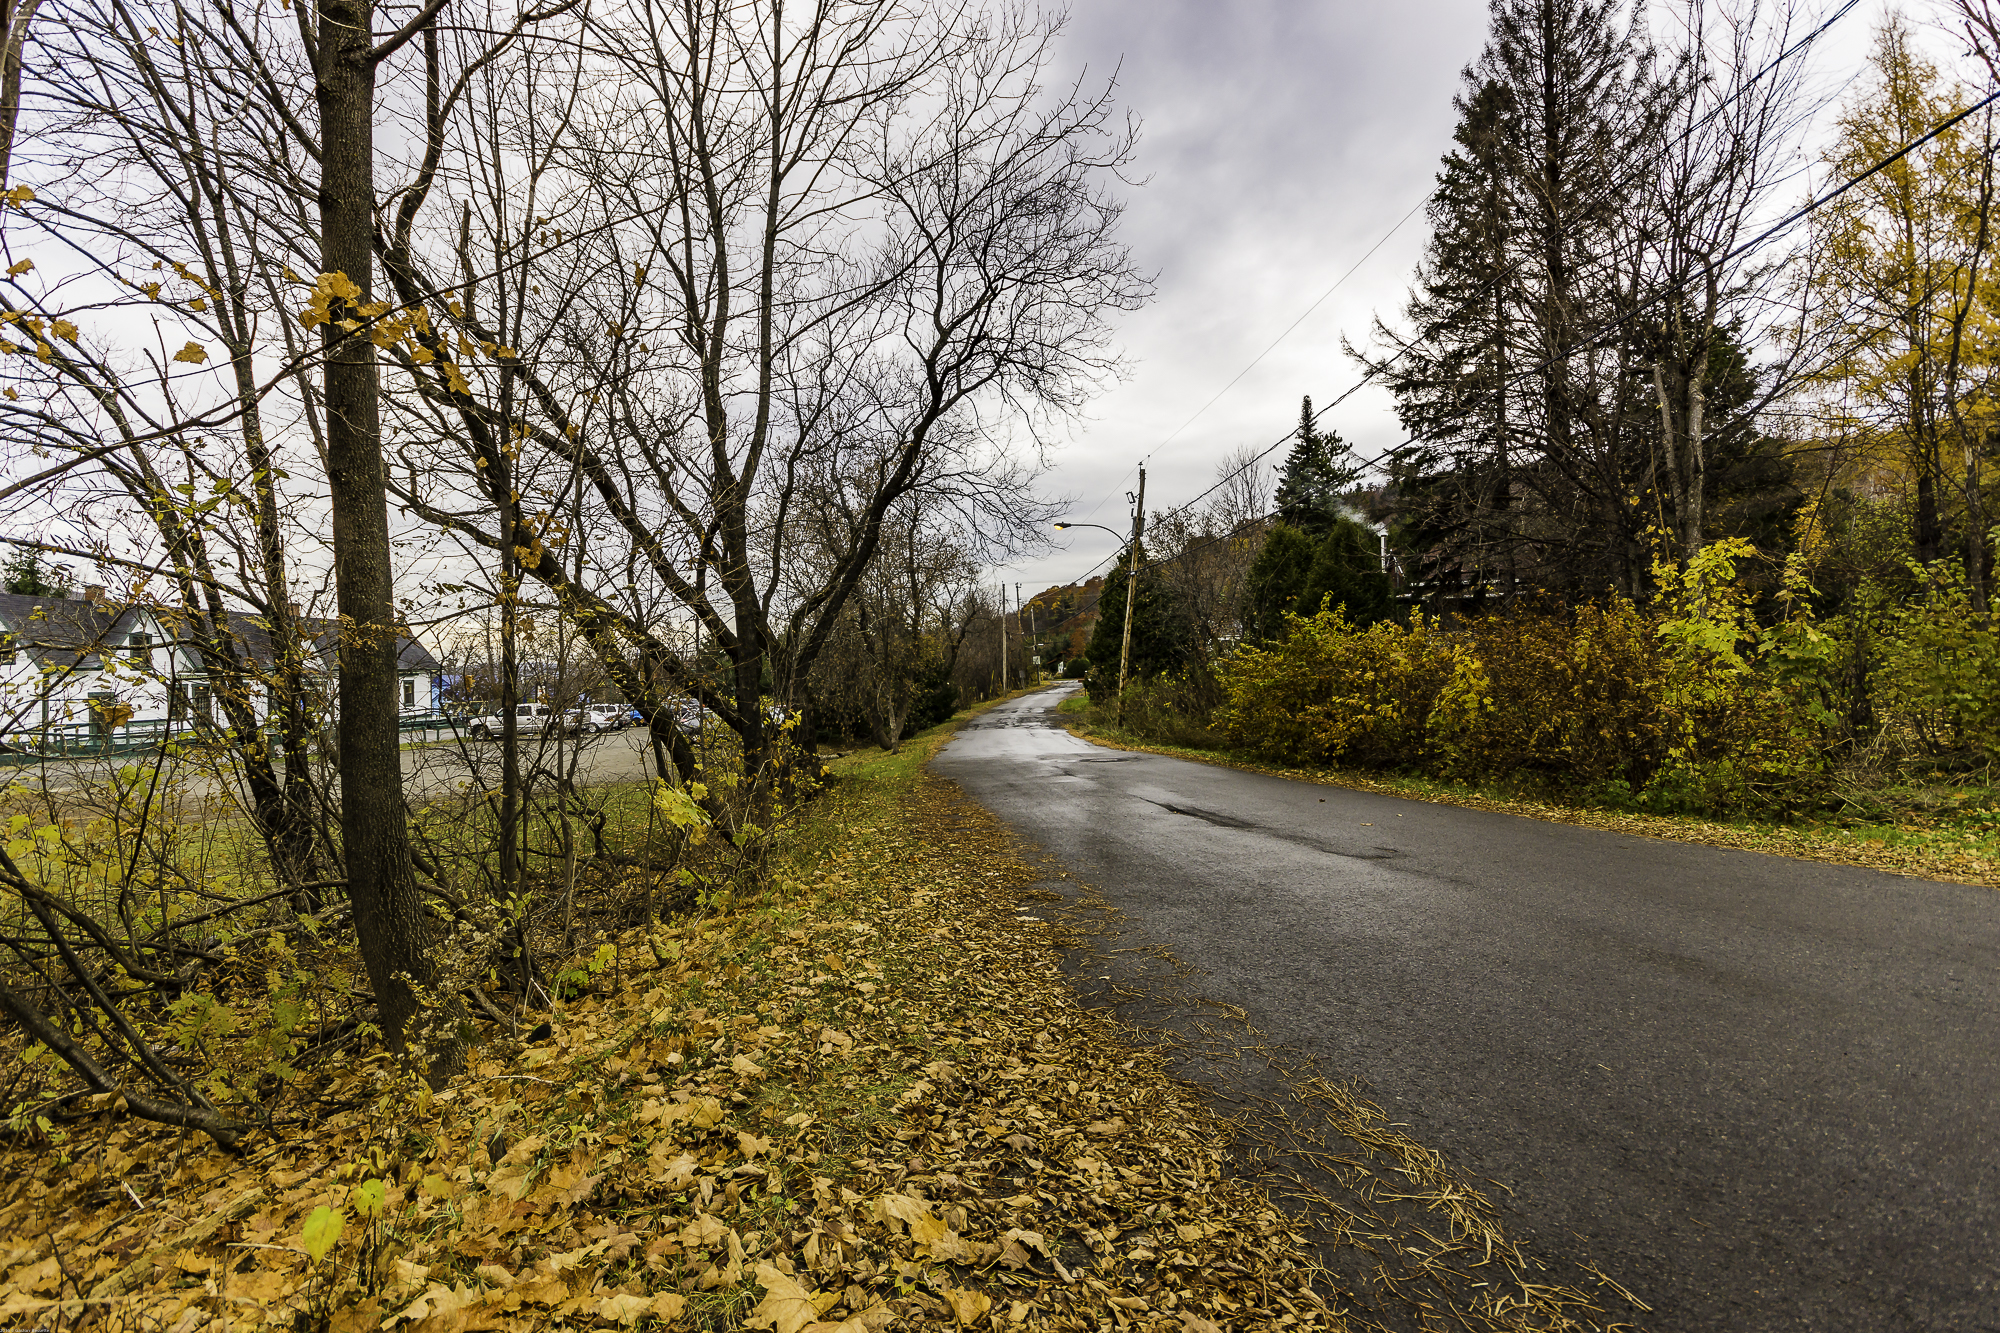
(1731, 135)
(862, 248)
(905, 622)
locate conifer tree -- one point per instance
(1316, 471)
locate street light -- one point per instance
(1131, 584)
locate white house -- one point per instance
(88, 667)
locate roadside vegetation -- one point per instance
(1868, 737)
(1672, 535)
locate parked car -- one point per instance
(590, 720)
(529, 720)
(609, 717)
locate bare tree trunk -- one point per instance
(15, 16)
(388, 909)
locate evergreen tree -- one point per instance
(1316, 471)
(1524, 272)
(1295, 573)
(1275, 583)
(1162, 635)
(26, 575)
(1347, 572)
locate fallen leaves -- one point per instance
(869, 1102)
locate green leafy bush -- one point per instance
(1328, 693)
(1573, 698)
(1938, 679)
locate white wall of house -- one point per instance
(137, 670)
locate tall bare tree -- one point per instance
(863, 246)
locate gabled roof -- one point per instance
(65, 632)
(70, 632)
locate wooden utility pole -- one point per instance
(1003, 638)
(1131, 586)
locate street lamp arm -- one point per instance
(1099, 526)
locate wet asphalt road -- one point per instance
(1763, 1094)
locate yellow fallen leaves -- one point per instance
(790, 1307)
(865, 1120)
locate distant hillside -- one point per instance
(1065, 616)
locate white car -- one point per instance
(608, 717)
(529, 719)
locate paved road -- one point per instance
(1764, 1094)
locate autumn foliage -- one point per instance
(1696, 702)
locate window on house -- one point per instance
(139, 647)
(409, 694)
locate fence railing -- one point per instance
(78, 740)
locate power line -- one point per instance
(1791, 220)
(1794, 49)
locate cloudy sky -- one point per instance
(1282, 139)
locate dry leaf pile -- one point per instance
(868, 1100)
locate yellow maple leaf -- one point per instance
(65, 330)
(193, 354)
(456, 378)
(340, 285)
(787, 1307)
(44, 353)
(967, 1304)
(198, 305)
(20, 195)
(22, 267)
(626, 1308)
(13, 395)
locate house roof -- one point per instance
(70, 632)
(63, 632)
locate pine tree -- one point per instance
(1523, 274)
(1316, 471)
(27, 575)
(1162, 637)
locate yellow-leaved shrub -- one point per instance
(1329, 693)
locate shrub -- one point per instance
(1327, 693)
(1938, 679)
(1574, 698)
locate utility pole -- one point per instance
(1131, 586)
(1035, 657)
(1003, 637)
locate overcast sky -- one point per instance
(1282, 139)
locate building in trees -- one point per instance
(78, 672)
